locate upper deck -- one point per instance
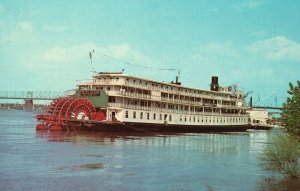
(121, 79)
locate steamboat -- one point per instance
(115, 101)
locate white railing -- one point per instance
(86, 82)
(130, 94)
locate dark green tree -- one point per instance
(283, 155)
(291, 111)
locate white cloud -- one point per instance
(25, 27)
(64, 55)
(118, 51)
(23, 32)
(57, 54)
(114, 57)
(278, 48)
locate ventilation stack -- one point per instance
(214, 86)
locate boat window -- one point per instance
(148, 116)
(170, 117)
(141, 115)
(126, 114)
(134, 114)
(165, 117)
(154, 116)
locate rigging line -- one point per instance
(266, 97)
(136, 65)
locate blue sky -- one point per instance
(255, 44)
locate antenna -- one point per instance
(91, 53)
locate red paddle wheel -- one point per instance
(68, 112)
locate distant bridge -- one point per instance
(267, 107)
(29, 96)
(34, 95)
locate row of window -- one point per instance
(141, 116)
(214, 119)
(187, 118)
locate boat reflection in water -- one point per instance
(213, 143)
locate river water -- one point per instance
(31, 160)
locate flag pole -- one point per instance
(91, 53)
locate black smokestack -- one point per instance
(214, 86)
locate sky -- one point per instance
(255, 44)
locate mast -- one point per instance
(91, 53)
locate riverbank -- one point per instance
(17, 106)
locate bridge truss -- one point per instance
(34, 95)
